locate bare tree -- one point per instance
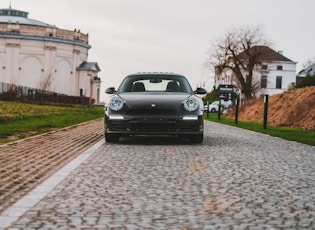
(45, 84)
(238, 55)
(47, 80)
(309, 63)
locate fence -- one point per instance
(12, 92)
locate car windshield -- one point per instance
(155, 83)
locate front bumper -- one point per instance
(187, 125)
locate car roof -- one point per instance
(156, 73)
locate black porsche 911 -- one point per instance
(154, 104)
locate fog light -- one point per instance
(190, 118)
(116, 117)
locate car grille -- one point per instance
(168, 126)
(119, 125)
(151, 111)
(154, 127)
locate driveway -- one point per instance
(236, 179)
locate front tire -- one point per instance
(111, 137)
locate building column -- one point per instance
(12, 61)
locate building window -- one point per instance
(263, 82)
(81, 92)
(264, 67)
(98, 95)
(279, 82)
(279, 67)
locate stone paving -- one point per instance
(236, 179)
(25, 164)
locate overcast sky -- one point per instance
(129, 36)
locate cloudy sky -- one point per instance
(129, 36)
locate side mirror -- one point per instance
(110, 90)
(200, 91)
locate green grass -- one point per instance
(292, 134)
(19, 120)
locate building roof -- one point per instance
(89, 66)
(26, 30)
(264, 53)
(307, 71)
(10, 15)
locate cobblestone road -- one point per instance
(236, 179)
(25, 164)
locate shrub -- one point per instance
(306, 81)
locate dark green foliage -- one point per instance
(212, 96)
(305, 81)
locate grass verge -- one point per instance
(292, 134)
(19, 120)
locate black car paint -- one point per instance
(154, 113)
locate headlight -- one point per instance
(115, 103)
(191, 104)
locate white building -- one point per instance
(275, 73)
(307, 71)
(37, 55)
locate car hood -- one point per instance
(157, 101)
